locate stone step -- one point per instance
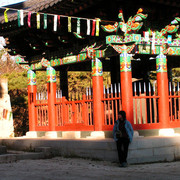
(7, 158)
(13, 156)
(3, 150)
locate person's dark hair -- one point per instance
(123, 114)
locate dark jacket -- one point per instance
(128, 127)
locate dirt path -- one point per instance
(80, 169)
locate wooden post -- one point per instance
(163, 90)
(64, 82)
(126, 85)
(115, 71)
(97, 85)
(84, 110)
(32, 99)
(51, 88)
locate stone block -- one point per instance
(31, 134)
(97, 135)
(177, 152)
(3, 150)
(141, 143)
(140, 153)
(71, 134)
(166, 132)
(51, 134)
(163, 151)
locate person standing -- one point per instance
(123, 135)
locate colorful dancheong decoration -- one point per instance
(131, 26)
(125, 62)
(123, 39)
(91, 51)
(123, 48)
(31, 76)
(171, 28)
(161, 63)
(96, 67)
(126, 38)
(51, 74)
(45, 62)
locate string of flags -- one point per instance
(92, 24)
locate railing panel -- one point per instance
(42, 113)
(112, 104)
(74, 112)
(174, 102)
(145, 103)
(78, 114)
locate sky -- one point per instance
(9, 2)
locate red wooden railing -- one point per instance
(42, 121)
(74, 115)
(112, 104)
(77, 114)
(174, 104)
(145, 106)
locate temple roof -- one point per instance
(24, 39)
(63, 7)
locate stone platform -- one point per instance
(141, 150)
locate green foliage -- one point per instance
(16, 80)
(19, 104)
(41, 81)
(176, 74)
(152, 75)
(2, 51)
(79, 81)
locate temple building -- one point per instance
(130, 40)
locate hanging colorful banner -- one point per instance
(93, 28)
(59, 20)
(5, 15)
(78, 25)
(97, 27)
(94, 31)
(88, 26)
(18, 14)
(153, 42)
(146, 36)
(45, 21)
(21, 17)
(38, 20)
(29, 19)
(69, 24)
(169, 39)
(55, 22)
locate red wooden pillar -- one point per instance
(32, 89)
(163, 90)
(97, 83)
(126, 85)
(51, 89)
